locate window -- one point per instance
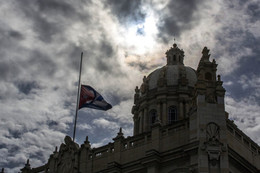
(153, 115)
(172, 114)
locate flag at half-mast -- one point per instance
(90, 98)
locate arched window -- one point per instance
(174, 58)
(172, 114)
(208, 76)
(153, 115)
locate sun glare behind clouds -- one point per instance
(141, 37)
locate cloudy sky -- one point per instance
(122, 40)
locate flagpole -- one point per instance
(77, 106)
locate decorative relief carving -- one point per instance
(211, 97)
(68, 157)
(182, 76)
(213, 146)
(144, 86)
(205, 54)
(162, 77)
(212, 134)
(137, 94)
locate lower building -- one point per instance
(180, 126)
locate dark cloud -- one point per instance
(249, 64)
(104, 58)
(253, 10)
(37, 155)
(8, 35)
(143, 66)
(107, 49)
(140, 66)
(47, 26)
(127, 11)
(45, 29)
(103, 66)
(115, 98)
(176, 18)
(27, 86)
(9, 39)
(44, 63)
(55, 7)
(11, 69)
(8, 69)
(52, 124)
(41, 25)
(15, 34)
(74, 56)
(99, 54)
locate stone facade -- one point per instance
(180, 126)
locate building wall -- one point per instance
(202, 140)
(137, 149)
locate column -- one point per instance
(181, 111)
(159, 111)
(140, 122)
(135, 126)
(186, 109)
(118, 142)
(146, 122)
(164, 114)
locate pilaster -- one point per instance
(152, 161)
(159, 115)
(141, 123)
(118, 145)
(164, 114)
(156, 135)
(181, 110)
(146, 120)
(84, 153)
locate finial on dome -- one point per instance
(174, 44)
(219, 78)
(86, 140)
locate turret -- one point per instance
(174, 55)
(208, 122)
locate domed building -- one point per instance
(166, 94)
(180, 126)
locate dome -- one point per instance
(172, 75)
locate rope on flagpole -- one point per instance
(77, 106)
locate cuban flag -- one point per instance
(90, 98)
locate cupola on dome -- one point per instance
(174, 73)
